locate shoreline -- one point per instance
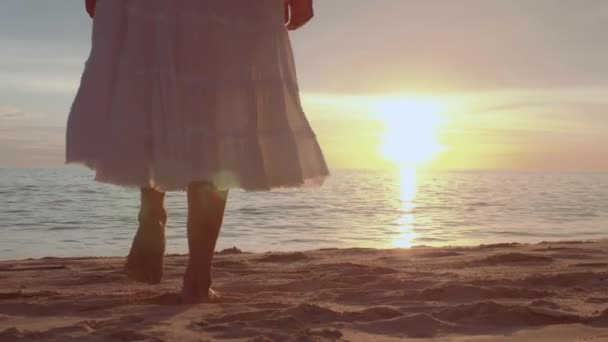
(550, 291)
(312, 250)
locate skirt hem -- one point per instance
(308, 182)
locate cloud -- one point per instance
(42, 85)
(8, 113)
(580, 110)
(27, 139)
(455, 45)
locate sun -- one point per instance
(411, 136)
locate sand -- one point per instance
(507, 292)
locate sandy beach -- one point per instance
(507, 292)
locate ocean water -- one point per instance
(62, 212)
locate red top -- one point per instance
(91, 7)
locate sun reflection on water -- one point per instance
(407, 220)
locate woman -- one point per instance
(194, 95)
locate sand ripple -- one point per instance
(324, 295)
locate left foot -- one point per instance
(197, 287)
(206, 207)
(145, 261)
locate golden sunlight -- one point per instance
(410, 139)
(411, 136)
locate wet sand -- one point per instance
(507, 292)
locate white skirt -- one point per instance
(177, 91)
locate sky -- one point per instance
(468, 84)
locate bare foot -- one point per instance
(145, 261)
(197, 285)
(196, 297)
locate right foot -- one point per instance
(145, 261)
(198, 297)
(197, 287)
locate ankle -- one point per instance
(153, 204)
(147, 214)
(198, 279)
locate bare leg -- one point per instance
(206, 207)
(145, 260)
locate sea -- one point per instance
(62, 212)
